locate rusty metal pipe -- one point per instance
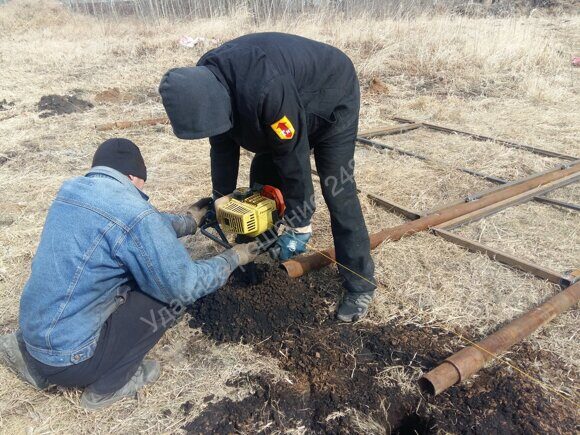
(120, 125)
(305, 263)
(469, 360)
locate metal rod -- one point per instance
(393, 207)
(386, 131)
(303, 264)
(129, 124)
(557, 203)
(469, 360)
(480, 137)
(517, 263)
(490, 178)
(508, 202)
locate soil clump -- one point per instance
(51, 105)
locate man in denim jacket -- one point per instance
(108, 278)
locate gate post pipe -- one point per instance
(305, 263)
(470, 360)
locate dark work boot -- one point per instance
(147, 373)
(354, 306)
(12, 356)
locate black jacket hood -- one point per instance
(197, 104)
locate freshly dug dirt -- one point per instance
(343, 371)
(377, 86)
(284, 405)
(272, 309)
(112, 95)
(51, 105)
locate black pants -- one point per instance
(333, 145)
(124, 341)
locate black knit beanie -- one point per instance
(122, 155)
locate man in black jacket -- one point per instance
(281, 96)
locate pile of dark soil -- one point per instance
(272, 309)
(338, 368)
(51, 105)
(282, 404)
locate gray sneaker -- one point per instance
(147, 373)
(354, 306)
(11, 355)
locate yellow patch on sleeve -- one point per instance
(283, 128)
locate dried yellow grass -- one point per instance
(415, 184)
(539, 233)
(456, 151)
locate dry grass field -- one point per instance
(504, 77)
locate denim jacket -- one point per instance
(100, 234)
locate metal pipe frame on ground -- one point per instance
(563, 279)
(457, 367)
(469, 360)
(364, 136)
(303, 264)
(489, 178)
(381, 131)
(483, 138)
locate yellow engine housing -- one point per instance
(251, 216)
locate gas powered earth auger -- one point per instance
(251, 214)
